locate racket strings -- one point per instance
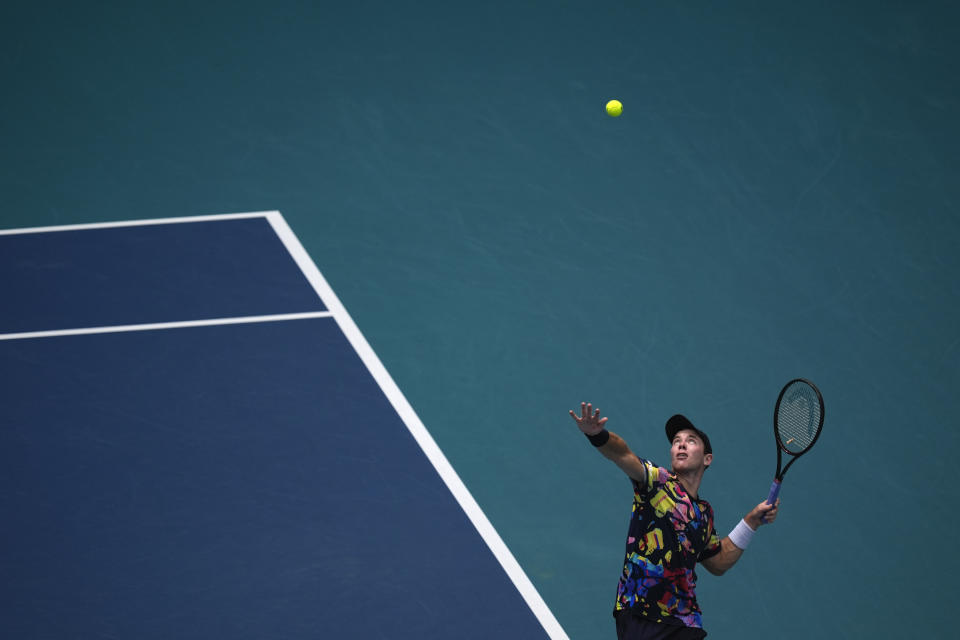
(798, 417)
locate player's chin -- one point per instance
(686, 464)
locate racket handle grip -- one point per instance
(774, 492)
(772, 498)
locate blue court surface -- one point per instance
(199, 443)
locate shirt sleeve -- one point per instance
(644, 488)
(713, 541)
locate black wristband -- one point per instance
(598, 439)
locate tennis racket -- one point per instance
(797, 421)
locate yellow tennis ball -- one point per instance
(614, 108)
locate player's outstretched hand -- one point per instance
(763, 513)
(589, 421)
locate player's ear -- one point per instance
(708, 459)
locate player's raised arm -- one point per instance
(607, 443)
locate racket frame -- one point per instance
(782, 448)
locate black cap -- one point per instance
(679, 423)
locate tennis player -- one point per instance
(671, 530)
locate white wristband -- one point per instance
(741, 534)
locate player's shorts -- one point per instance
(634, 627)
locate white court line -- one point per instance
(165, 325)
(429, 446)
(136, 223)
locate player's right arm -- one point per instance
(614, 449)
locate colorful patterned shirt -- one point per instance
(669, 533)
